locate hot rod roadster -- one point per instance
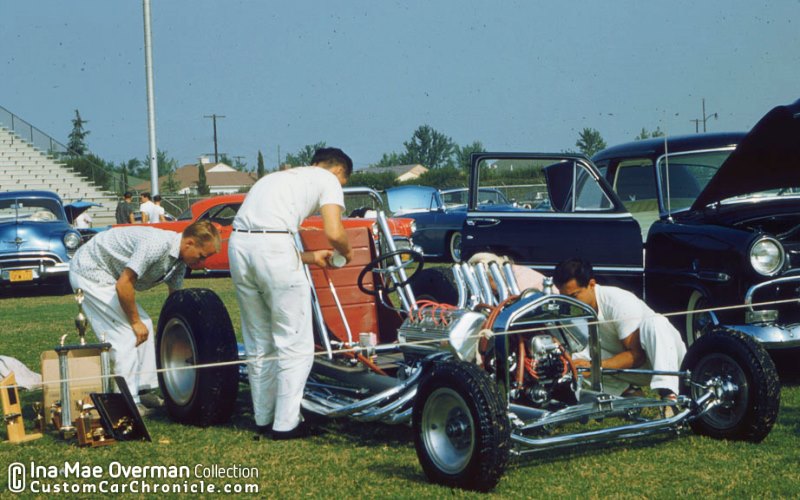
(481, 381)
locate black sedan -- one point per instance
(692, 223)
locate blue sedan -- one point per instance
(37, 239)
(439, 215)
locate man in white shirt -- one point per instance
(113, 265)
(271, 286)
(631, 334)
(83, 221)
(159, 210)
(148, 209)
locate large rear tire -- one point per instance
(749, 407)
(461, 429)
(194, 329)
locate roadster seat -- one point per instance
(359, 308)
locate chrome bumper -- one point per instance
(772, 334)
(39, 272)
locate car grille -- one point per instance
(28, 260)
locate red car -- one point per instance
(222, 210)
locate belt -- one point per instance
(262, 231)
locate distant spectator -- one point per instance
(148, 209)
(161, 214)
(83, 221)
(125, 209)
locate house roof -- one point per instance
(217, 174)
(397, 170)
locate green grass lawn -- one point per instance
(376, 461)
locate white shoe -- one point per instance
(143, 410)
(151, 400)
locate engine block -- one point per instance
(439, 328)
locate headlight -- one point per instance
(413, 227)
(767, 256)
(72, 241)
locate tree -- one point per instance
(260, 170)
(76, 146)
(429, 148)
(170, 184)
(644, 134)
(389, 160)
(590, 142)
(123, 186)
(94, 168)
(377, 181)
(443, 178)
(464, 154)
(304, 156)
(202, 182)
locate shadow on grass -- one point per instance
(590, 450)
(35, 291)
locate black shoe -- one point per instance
(302, 430)
(264, 431)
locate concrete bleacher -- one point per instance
(23, 166)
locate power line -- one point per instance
(704, 119)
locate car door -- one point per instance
(562, 209)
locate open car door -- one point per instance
(560, 208)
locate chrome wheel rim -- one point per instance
(448, 430)
(729, 382)
(178, 352)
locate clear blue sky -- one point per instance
(362, 75)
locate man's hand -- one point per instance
(319, 258)
(141, 332)
(583, 363)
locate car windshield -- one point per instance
(689, 173)
(486, 196)
(410, 200)
(31, 210)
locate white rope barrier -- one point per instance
(356, 350)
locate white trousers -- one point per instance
(137, 365)
(275, 305)
(665, 350)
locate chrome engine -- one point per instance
(438, 327)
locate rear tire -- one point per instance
(194, 329)
(750, 412)
(436, 284)
(461, 429)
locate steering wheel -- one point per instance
(374, 267)
(359, 212)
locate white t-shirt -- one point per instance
(160, 211)
(281, 200)
(151, 210)
(620, 314)
(83, 221)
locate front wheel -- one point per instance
(461, 429)
(743, 377)
(194, 329)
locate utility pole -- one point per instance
(151, 105)
(214, 119)
(704, 119)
